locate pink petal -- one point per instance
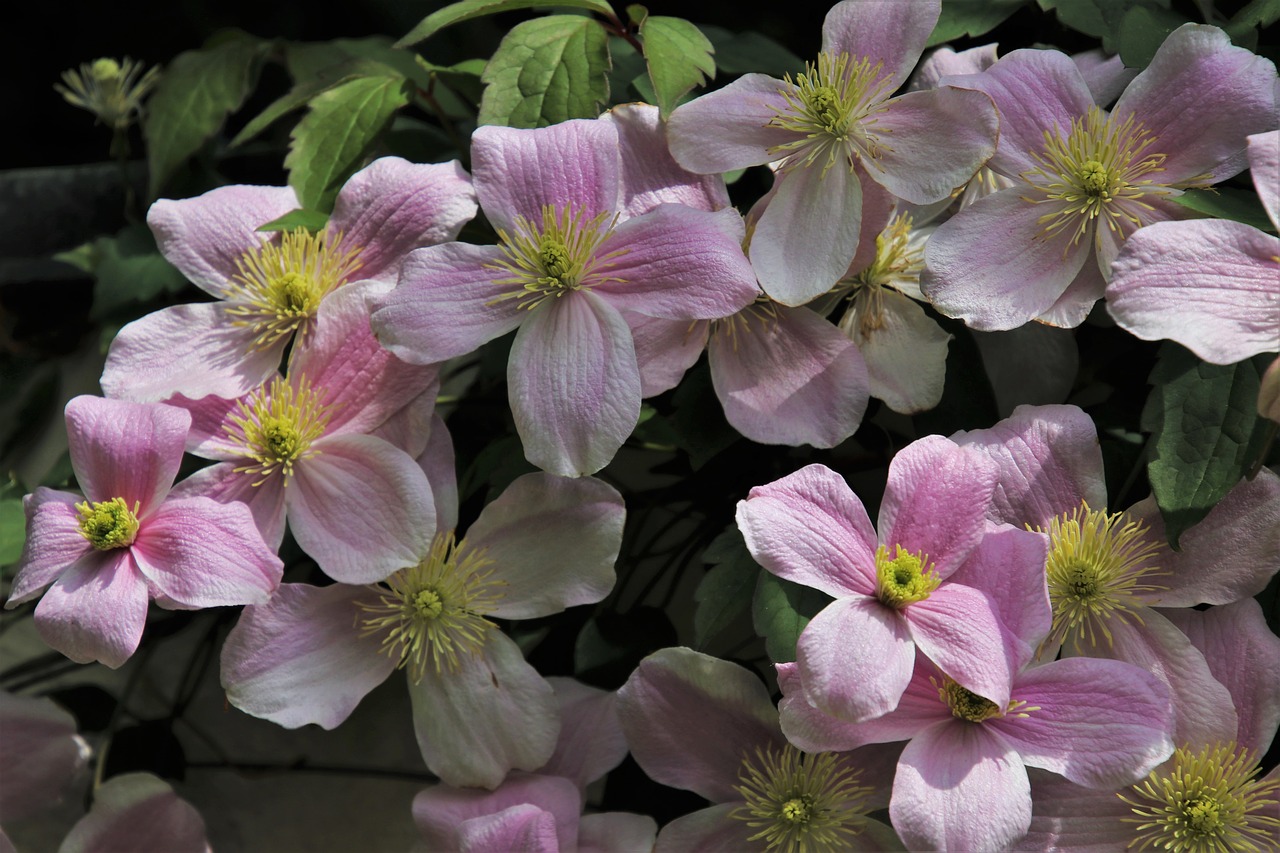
(361, 508)
(944, 62)
(911, 164)
(992, 266)
(440, 811)
(591, 741)
(1072, 307)
(445, 305)
(891, 33)
(1200, 97)
(1264, 165)
(392, 206)
(574, 165)
(616, 832)
(302, 657)
(125, 450)
(808, 234)
(691, 718)
(650, 176)
(1100, 723)
(1211, 285)
(1066, 816)
(730, 128)
(960, 630)
(523, 828)
(906, 355)
(494, 715)
(201, 553)
(679, 263)
(709, 830)
(810, 528)
(1049, 460)
(553, 542)
(437, 462)
(855, 659)
(137, 811)
(790, 378)
(224, 485)
(1105, 75)
(41, 753)
(53, 545)
(935, 501)
(204, 236)
(193, 350)
(665, 349)
(960, 788)
(574, 384)
(96, 610)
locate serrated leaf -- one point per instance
(196, 93)
(971, 18)
(337, 133)
(1203, 419)
(679, 58)
(780, 611)
(725, 592)
(310, 220)
(466, 10)
(306, 89)
(1228, 203)
(547, 71)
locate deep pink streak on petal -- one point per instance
(810, 528)
(96, 610)
(855, 659)
(575, 165)
(440, 810)
(53, 543)
(649, 174)
(392, 207)
(959, 629)
(730, 128)
(126, 450)
(886, 32)
(574, 385)
(301, 658)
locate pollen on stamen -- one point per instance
(904, 579)
(761, 314)
(279, 285)
(433, 614)
(108, 524)
(898, 263)
(276, 425)
(557, 256)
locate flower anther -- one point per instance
(276, 426)
(111, 90)
(898, 262)
(904, 579)
(108, 524)
(554, 257)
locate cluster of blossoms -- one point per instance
(1005, 661)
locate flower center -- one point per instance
(761, 314)
(905, 579)
(799, 801)
(276, 425)
(833, 106)
(898, 263)
(108, 524)
(278, 286)
(556, 257)
(111, 90)
(434, 613)
(1096, 569)
(1206, 802)
(965, 704)
(1097, 171)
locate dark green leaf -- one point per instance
(338, 132)
(679, 58)
(724, 594)
(961, 18)
(1141, 32)
(1228, 203)
(546, 71)
(127, 269)
(740, 53)
(1081, 15)
(1203, 420)
(698, 418)
(468, 9)
(780, 611)
(196, 93)
(13, 530)
(309, 220)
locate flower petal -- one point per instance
(944, 62)
(574, 384)
(650, 176)
(53, 545)
(441, 810)
(906, 353)
(1072, 307)
(1033, 364)
(616, 832)
(1009, 567)
(855, 659)
(730, 128)
(437, 462)
(959, 629)
(137, 811)
(41, 753)
(224, 485)
(709, 830)
(96, 610)
(591, 741)
(301, 657)
(125, 450)
(1264, 165)
(665, 349)
(1105, 74)
(892, 34)
(1067, 816)
(523, 828)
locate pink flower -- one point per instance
(270, 286)
(128, 539)
(41, 753)
(821, 127)
(138, 811)
(572, 257)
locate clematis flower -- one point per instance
(894, 592)
(1210, 284)
(822, 126)
(708, 726)
(303, 448)
(41, 753)
(138, 811)
(1086, 179)
(269, 287)
(128, 539)
(570, 259)
(312, 653)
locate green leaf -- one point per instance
(698, 418)
(679, 58)
(780, 611)
(546, 71)
(337, 133)
(724, 594)
(741, 53)
(127, 269)
(196, 93)
(1141, 32)
(468, 9)
(309, 220)
(1081, 15)
(13, 530)
(1204, 424)
(961, 18)
(1228, 203)
(304, 91)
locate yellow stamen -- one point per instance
(108, 524)
(276, 426)
(905, 579)
(556, 257)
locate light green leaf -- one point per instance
(546, 71)
(308, 220)
(961, 18)
(679, 58)
(337, 133)
(725, 592)
(780, 611)
(1228, 203)
(1204, 422)
(468, 9)
(304, 91)
(196, 93)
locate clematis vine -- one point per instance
(827, 124)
